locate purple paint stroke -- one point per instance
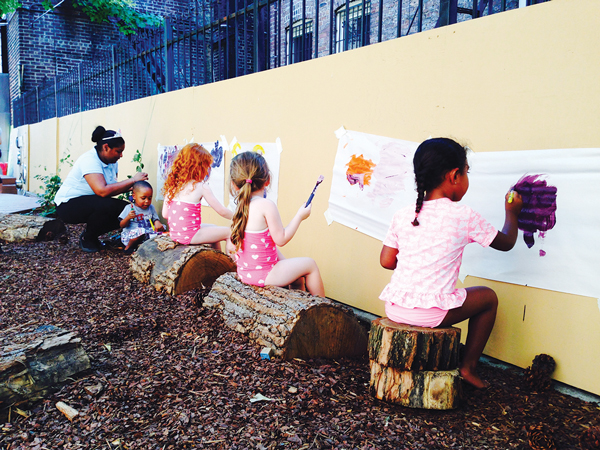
(217, 154)
(356, 178)
(539, 207)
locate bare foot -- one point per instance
(473, 379)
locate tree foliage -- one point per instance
(120, 12)
(8, 6)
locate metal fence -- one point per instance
(231, 38)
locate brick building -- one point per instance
(43, 44)
(60, 62)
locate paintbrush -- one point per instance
(319, 181)
(511, 196)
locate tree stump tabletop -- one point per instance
(407, 347)
(175, 268)
(293, 323)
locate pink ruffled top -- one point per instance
(429, 255)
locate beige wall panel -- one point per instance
(532, 321)
(521, 80)
(42, 138)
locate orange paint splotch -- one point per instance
(359, 170)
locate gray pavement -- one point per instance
(14, 203)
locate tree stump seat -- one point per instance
(414, 366)
(34, 359)
(175, 268)
(293, 323)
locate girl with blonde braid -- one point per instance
(257, 230)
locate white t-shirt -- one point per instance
(75, 185)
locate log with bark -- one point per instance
(293, 323)
(19, 227)
(427, 389)
(176, 269)
(34, 359)
(406, 347)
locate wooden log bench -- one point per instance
(175, 268)
(414, 366)
(19, 227)
(294, 324)
(34, 359)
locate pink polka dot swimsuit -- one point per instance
(184, 220)
(256, 258)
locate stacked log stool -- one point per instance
(414, 366)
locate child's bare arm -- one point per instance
(281, 235)
(216, 204)
(158, 225)
(127, 219)
(388, 257)
(505, 239)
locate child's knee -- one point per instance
(313, 266)
(491, 298)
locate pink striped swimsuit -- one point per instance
(257, 257)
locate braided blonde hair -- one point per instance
(249, 172)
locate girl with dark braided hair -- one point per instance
(424, 247)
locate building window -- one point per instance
(356, 32)
(302, 41)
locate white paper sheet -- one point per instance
(565, 259)
(167, 154)
(272, 154)
(369, 205)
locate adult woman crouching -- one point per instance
(86, 194)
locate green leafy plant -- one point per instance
(137, 158)
(50, 185)
(8, 6)
(120, 12)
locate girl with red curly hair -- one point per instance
(185, 187)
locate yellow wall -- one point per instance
(521, 80)
(43, 153)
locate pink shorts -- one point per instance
(419, 317)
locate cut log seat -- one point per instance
(176, 269)
(427, 389)
(35, 358)
(414, 366)
(293, 323)
(19, 227)
(406, 347)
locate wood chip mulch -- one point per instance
(167, 374)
